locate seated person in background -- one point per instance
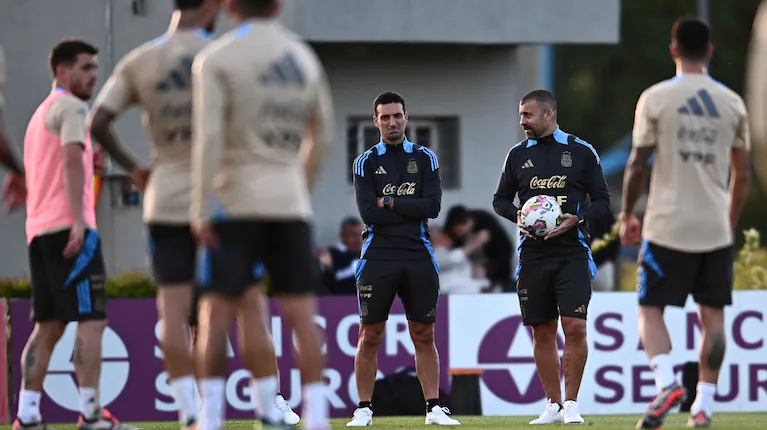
(497, 253)
(339, 262)
(457, 274)
(606, 258)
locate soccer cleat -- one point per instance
(667, 399)
(570, 413)
(699, 420)
(39, 425)
(288, 416)
(103, 421)
(191, 424)
(362, 417)
(551, 415)
(440, 416)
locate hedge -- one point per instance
(130, 285)
(126, 285)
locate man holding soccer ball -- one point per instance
(553, 172)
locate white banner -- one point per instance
(486, 332)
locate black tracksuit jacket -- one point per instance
(409, 173)
(559, 165)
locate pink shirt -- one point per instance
(47, 202)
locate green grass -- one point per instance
(608, 422)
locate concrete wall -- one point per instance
(458, 21)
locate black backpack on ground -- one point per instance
(400, 394)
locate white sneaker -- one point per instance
(363, 417)
(551, 415)
(440, 416)
(288, 416)
(571, 414)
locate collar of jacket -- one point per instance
(406, 145)
(558, 135)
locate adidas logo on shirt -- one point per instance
(380, 170)
(528, 164)
(285, 71)
(695, 105)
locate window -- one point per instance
(440, 134)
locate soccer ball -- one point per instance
(540, 215)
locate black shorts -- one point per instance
(666, 276)
(415, 281)
(196, 301)
(248, 248)
(548, 290)
(67, 290)
(173, 252)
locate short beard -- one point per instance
(80, 94)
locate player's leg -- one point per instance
(289, 417)
(255, 342)
(295, 278)
(538, 305)
(665, 278)
(173, 263)
(223, 275)
(713, 291)
(192, 322)
(215, 315)
(80, 285)
(573, 289)
(420, 296)
(37, 352)
(257, 352)
(377, 282)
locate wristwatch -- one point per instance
(581, 219)
(386, 201)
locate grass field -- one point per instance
(608, 422)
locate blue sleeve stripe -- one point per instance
(506, 160)
(587, 145)
(432, 157)
(359, 163)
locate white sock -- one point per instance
(197, 398)
(183, 391)
(29, 407)
(664, 371)
(315, 406)
(264, 392)
(212, 391)
(89, 402)
(704, 398)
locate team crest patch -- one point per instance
(412, 167)
(567, 159)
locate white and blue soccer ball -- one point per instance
(541, 214)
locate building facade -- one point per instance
(461, 66)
